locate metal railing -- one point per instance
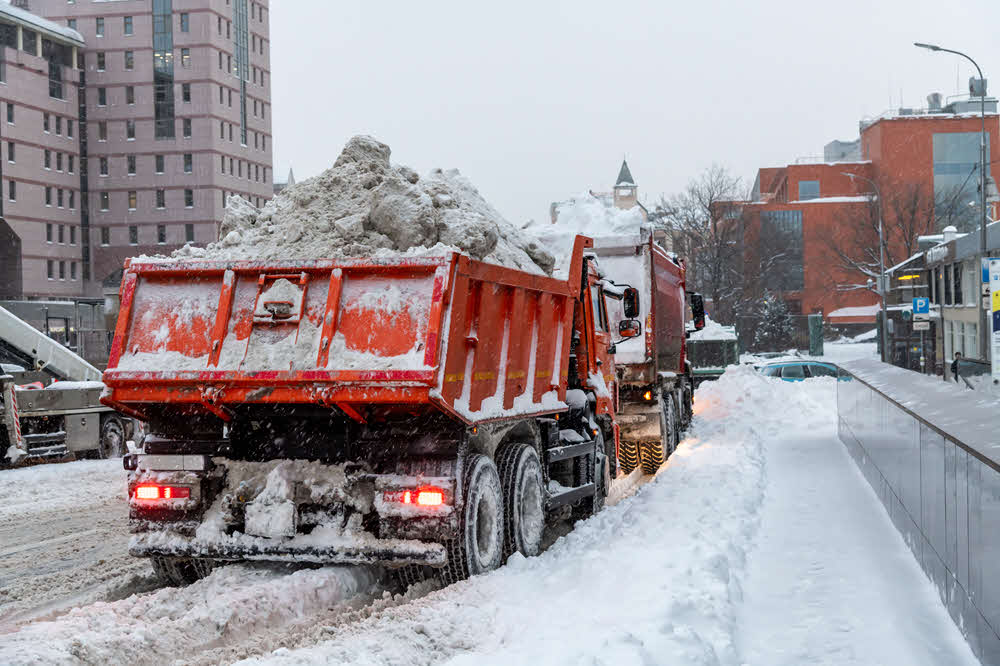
(924, 446)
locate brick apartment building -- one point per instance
(41, 236)
(175, 118)
(925, 163)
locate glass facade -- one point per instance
(241, 66)
(944, 498)
(163, 69)
(781, 237)
(956, 179)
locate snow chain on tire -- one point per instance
(523, 499)
(629, 460)
(479, 546)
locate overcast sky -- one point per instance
(536, 101)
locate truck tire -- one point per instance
(180, 571)
(112, 443)
(653, 454)
(629, 460)
(599, 473)
(671, 421)
(523, 499)
(479, 546)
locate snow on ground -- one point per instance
(838, 353)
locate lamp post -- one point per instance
(881, 263)
(984, 324)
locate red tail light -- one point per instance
(151, 492)
(426, 496)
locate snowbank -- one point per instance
(364, 206)
(714, 331)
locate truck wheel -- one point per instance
(523, 499)
(479, 546)
(671, 424)
(599, 474)
(112, 444)
(181, 571)
(651, 456)
(629, 459)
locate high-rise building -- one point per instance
(176, 118)
(42, 235)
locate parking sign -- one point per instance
(921, 309)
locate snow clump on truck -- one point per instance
(364, 206)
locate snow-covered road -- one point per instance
(758, 543)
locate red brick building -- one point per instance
(809, 215)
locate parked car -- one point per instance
(796, 371)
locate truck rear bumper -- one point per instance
(346, 550)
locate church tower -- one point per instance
(626, 191)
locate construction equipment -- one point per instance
(414, 412)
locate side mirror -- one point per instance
(698, 311)
(629, 328)
(630, 303)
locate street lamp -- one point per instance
(881, 262)
(984, 325)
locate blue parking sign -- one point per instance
(921, 305)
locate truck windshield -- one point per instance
(600, 317)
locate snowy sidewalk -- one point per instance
(830, 580)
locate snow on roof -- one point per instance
(53, 29)
(714, 331)
(625, 176)
(833, 200)
(854, 311)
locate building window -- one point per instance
(188, 163)
(59, 161)
(48, 159)
(10, 152)
(129, 60)
(58, 124)
(69, 128)
(133, 200)
(189, 198)
(72, 200)
(62, 270)
(130, 94)
(62, 235)
(185, 22)
(188, 233)
(970, 283)
(161, 199)
(230, 134)
(130, 129)
(104, 166)
(105, 201)
(161, 234)
(782, 230)
(72, 270)
(48, 232)
(127, 25)
(187, 128)
(222, 129)
(222, 160)
(186, 92)
(45, 123)
(956, 270)
(130, 163)
(101, 61)
(947, 285)
(105, 236)
(71, 23)
(99, 27)
(163, 69)
(59, 199)
(72, 235)
(185, 58)
(102, 131)
(102, 97)
(12, 190)
(956, 179)
(160, 163)
(971, 339)
(48, 196)
(10, 113)
(49, 268)
(69, 163)
(133, 235)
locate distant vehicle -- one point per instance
(711, 350)
(797, 371)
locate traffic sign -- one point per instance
(921, 326)
(921, 309)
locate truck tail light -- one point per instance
(426, 496)
(151, 492)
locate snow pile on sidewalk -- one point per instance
(584, 214)
(171, 624)
(655, 579)
(714, 331)
(364, 206)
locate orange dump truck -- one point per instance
(424, 411)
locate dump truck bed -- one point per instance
(476, 340)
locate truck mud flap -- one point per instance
(393, 552)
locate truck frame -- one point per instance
(429, 414)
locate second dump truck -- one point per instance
(415, 412)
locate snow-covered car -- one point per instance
(797, 371)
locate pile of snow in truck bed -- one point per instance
(364, 206)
